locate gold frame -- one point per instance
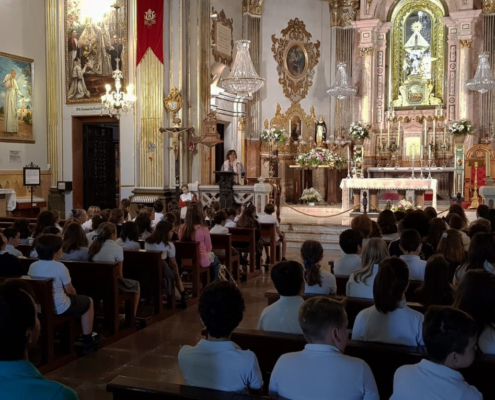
(229, 23)
(295, 88)
(174, 95)
(124, 61)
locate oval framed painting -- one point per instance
(296, 61)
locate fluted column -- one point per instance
(465, 72)
(367, 80)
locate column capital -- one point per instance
(466, 43)
(368, 30)
(366, 51)
(253, 8)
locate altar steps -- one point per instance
(297, 234)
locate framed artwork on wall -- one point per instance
(16, 98)
(95, 46)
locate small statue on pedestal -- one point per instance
(320, 132)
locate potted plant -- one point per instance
(311, 196)
(460, 129)
(358, 132)
(274, 135)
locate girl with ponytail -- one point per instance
(79, 215)
(317, 280)
(390, 320)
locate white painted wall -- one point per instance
(22, 29)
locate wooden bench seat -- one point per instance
(268, 230)
(188, 254)
(248, 236)
(232, 262)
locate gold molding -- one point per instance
(253, 7)
(466, 43)
(366, 51)
(343, 12)
(229, 23)
(295, 35)
(176, 97)
(488, 7)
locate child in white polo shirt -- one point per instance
(217, 362)
(450, 337)
(351, 244)
(282, 316)
(13, 240)
(321, 370)
(410, 244)
(268, 218)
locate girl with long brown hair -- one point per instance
(129, 237)
(75, 243)
(45, 219)
(457, 209)
(451, 247)
(481, 256)
(437, 228)
(117, 216)
(143, 221)
(317, 280)
(437, 287)
(248, 220)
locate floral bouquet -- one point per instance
(461, 127)
(333, 159)
(278, 135)
(359, 131)
(403, 205)
(311, 196)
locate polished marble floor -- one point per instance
(152, 352)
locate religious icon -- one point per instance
(296, 61)
(320, 131)
(295, 128)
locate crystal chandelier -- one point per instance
(115, 103)
(341, 88)
(483, 79)
(243, 79)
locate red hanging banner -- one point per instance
(149, 28)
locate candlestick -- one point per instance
(426, 133)
(398, 135)
(388, 134)
(434, 123)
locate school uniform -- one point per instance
(322, 372)
(461, 271)
(328, 285)
(80, 254)
(12, 250)
(158, 218)
(10, 265)
(88, 225)
(145, 235)
(428, 380)
(282, 316)
(346, 264)
(427, 250)
(486, 341)
(21, 380)
(219, 230)
(230, 224)
(269, 219)
(167, 249)
(401, 326)
(220, 365)
(416, 267)
(128, 244)
(25, 241)
(91, 236)
(361, 289)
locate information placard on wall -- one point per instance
(224, 40)
(32, 176)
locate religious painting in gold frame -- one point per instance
(296, 61)
(94, 39)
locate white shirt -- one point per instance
(322, 372)
(230, 224)
(88, 225)
(76, 255)
(427, 380)
(128, 244)
(145, 235)
(328, 284)
(168, 250)
(110, 252)
(466, 240)
(61, 277)
(401, 326)
(158, 218)
(486, 341)
(12, 250)
(416, 267)
(220, 366)
(361, 289)
(282, 316)
(346, 264)
(269, 219)
(219, 230)
(461, 271)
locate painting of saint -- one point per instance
(95, 47)
(296, 61)
(16, 105)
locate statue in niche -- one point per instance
(417, 49)
(320, 131)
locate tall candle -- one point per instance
(388, 133)
(434, 125)
(398, 134)
(348, 153)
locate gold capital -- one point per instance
(466, 43)
(488, 7)
(254, 7)
(366, 51)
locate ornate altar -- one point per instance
(484, 157)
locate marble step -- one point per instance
(327, 235)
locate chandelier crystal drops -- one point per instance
(341, 87)
(483, 79)
(243, 79)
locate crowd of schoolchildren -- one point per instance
(454, 260)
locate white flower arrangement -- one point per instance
(403, 205)
(311, 196)
(359, 131)
(461, 127)
(277, 135)
(313, 158)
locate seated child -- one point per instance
(317, 280)
(282, 316)
(65, 297)
(75, 243)
(158, 209)
(125, 204)
(268, 218)
(217, 362)
(22, 225)
(9, 264)
(321, 371)
(410, 245)
(13, 240)
(231, 214)
(351, 243)
(450, 337)
(220, 220)
(88, 225)
(129, 237)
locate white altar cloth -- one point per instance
(10, 197)
(387, 184)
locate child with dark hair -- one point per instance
(125, 204)
(321, 370)
(13, 240)
(143, 222)
(437, 288)
(117, 217)
(450, 339)
(44, 220)
(238, 209)
(75, 243)
(217, 362)
(158, 209)
(220, 219)
(173, 205)
(268, 218)
(77, 215)
(376, 231)
(399, 215)
(231, 215)
(317, 280)
(351, 244)
(388, 224)
(452, 248)
(437, 228)
(129, 237)
(418, 221)
(9, 264)
(282, 316)
(390, 320)
(22, 225)
(410, 245)
(479, 226)
(96, 221)
(481, 256)
(92, 211)
(65, 298)
(20, 328)
(455, 222)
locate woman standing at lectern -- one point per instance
(231, 164)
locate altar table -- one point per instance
(405, 187)
(7, 201)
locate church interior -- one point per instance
(326, 132)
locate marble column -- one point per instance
(465, 72)
(366, 115)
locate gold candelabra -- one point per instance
(475, 200)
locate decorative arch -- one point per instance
(383, 9)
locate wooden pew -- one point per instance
(52, 356)
(232, 262)
(125, 388)
(247, 235)
(25, 249)
(268, 230)
(188, 253)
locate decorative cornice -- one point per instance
(366, 51)
(466, 43)
(253, 7)
(488, 7)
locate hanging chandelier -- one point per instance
(341, 87)
(117, 102)
(243, 79)
(483, 79)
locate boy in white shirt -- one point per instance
(450, 337)
(410, 244)
(13, 237)
(268, 218)
(220, 220)
(282, 316)
(321, 370)
(351, 243)
(231, 214)
(158, 213)
(217, 362)
(125, 204)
